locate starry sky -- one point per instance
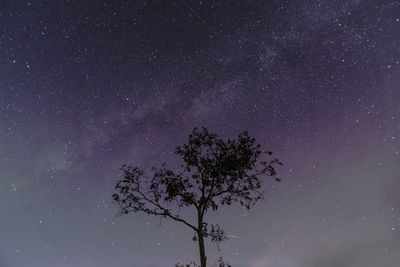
(86, 86)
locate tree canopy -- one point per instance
(214, 173)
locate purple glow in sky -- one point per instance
(86, 86)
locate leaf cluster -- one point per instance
(214, 173)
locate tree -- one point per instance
(214, 173)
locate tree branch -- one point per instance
(166, 212)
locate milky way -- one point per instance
(86, 86)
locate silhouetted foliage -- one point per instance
(214, 173)
(219, 263)
(222, 263)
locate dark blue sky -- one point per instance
(86, 86)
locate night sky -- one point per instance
(86, 86)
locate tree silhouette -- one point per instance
(214, 173)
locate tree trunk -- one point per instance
(203, 258)
(200, 235)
